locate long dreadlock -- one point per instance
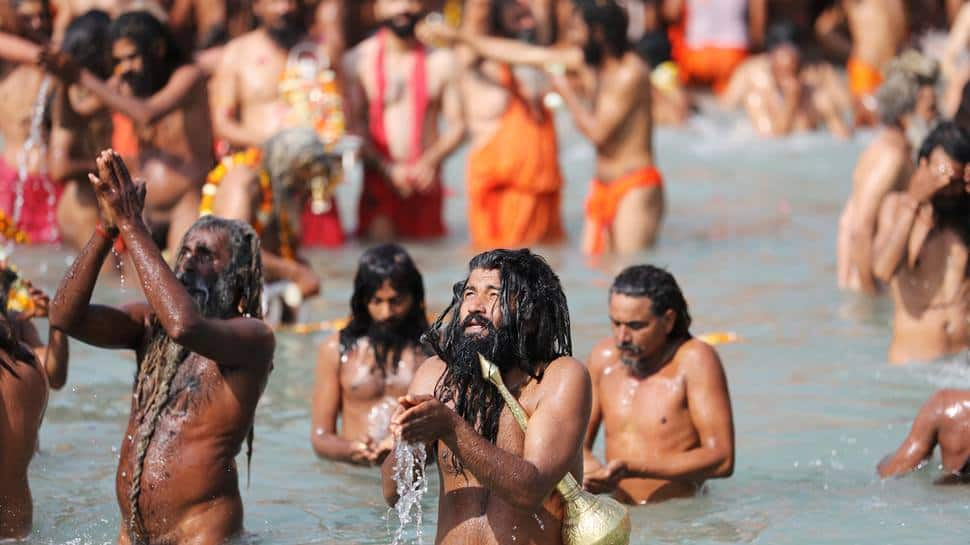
(163, 356)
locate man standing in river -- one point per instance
(498, 482)
(204, 355)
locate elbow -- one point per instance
(58, 318)
(56, 381)
(183, 330)
(726, 468)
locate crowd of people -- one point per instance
(238, 119)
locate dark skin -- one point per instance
(503, 484)
(351, 385)
(943, 420)
(216, 388)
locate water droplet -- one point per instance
(539, 521)
(409, 474)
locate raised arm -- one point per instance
(147, 111)
(920, 442)
(956, 43)
(325, 410)
(236, 342)
(830, 34)
(613, 106)
(502, 49)
(552, 442)
(709, 404)
(876, 181)
(15, 49)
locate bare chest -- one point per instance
(18, 92)
(363, 379)
(649, 406)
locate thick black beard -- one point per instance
(142, 85)
(402, 25)
(954, 213)
(287, 35)
(214, 300)
(388, 342)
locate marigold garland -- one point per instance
(10, 231)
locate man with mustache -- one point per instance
(921, 251)
(660, 393)
(363, 369)
(161, 117)
(626, 202)
(907, 110)
(497, 482)
(204, 355)
(397, 91)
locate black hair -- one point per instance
(962, 117)
(954, 139)
(611, 19)
(10, 341)
(661, 288)
(391, 263)
(87, 41)
(654, 48)
(535, 332)
(781, 33)
(154, 40)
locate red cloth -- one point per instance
(38, 216)
(322, 230)
(419, 215)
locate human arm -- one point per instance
(503, 50)
(15, 49)
(613, 106)
(226, 102)
(737, 89)
(426, 168)
(892, 235)
(145, 111)
(920, 442)
(876, 181)
(241, 342)
(62, 165)
(54, 354)
(956, 43)
(596, 362)
(551, 444)
(830, 34)
(709, 405)
(325, 409)
(757, 19)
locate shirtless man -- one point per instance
(885, 166)
(921, 251)
(369, 364)
(943, 420)
(166, 99)
(391, 78)
(496, 481)
(660, 393)
(626, 202)
(20, 83)
(878, 29)
(204, 355)
(781, 96)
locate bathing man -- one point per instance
(661, 394)
(943, 420)
(368, 365)
(921, 251)
(204, 355)
(626, 201)
(495, 479)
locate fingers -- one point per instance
(412, 400)
(120, 167)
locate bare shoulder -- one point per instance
(354, 57)
(442, 60)
(566, 376)
(330, 347)
(604, 353)
(427, 376)
(696, 358)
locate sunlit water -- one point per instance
(412, 484)
(750, 237)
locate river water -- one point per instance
(750, 237)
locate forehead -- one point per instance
(625, 307)
(123, 44)
(386, 290)
(215, 240)
(940, 155)
(29, 7)
(481, 278)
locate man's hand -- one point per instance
(605, 479)
(59, 64)
(437, 33)
(423, 173)
(424, 420)
(120, 199)
(399, 175)
(927, 181)
(361, 454)
(40, 302)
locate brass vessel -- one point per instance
(590, 519)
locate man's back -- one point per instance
(878, 29)
(23, 398)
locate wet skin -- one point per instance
(665, 406)
(943, 420)
(504, 487)
(190, 491)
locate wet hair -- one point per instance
(661, 288)
(535, 331)
(781, 33)
(953, 139)
(654, 48)
(611, 19)
(897, 97)
(287, 151)
(154, 41)
(87, 41)
(9, 338)
(163, 356)
(390, 263)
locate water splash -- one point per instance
(412, 484)
(35, 144)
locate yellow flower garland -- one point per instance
(10, 231)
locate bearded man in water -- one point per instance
(369, 364)
(661, 394)
(204, 355)
(496, 480)
(922, 251)
(943, 420)
(626, 202)
(165, 97)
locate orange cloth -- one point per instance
(863, 78)
(124, 139)
(514, 181)
(710, 66)
(604, 199)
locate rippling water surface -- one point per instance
(750, 237)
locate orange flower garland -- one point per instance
(250, 158)
(10, 231)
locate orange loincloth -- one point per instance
(864, 79)
(514, 181)
(39, 210)
(710, 66)
(604, 199)
(418, 215)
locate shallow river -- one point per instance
(750, 237)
